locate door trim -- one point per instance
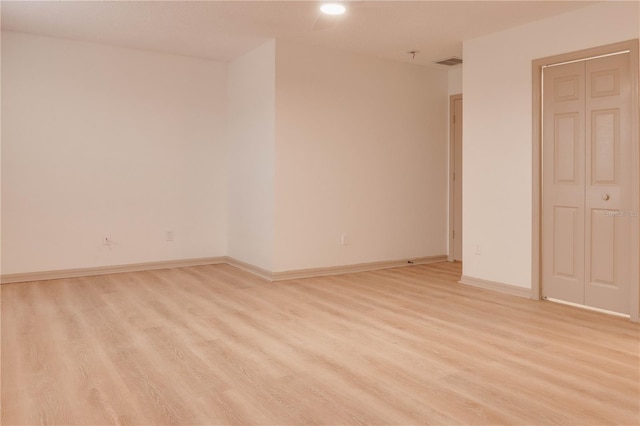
(452, 167)
(536, 231)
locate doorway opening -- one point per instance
(455, 178)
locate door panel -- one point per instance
(604, 146)
(608, 190)
(565, 259)
(606, 82)
(603, 247)
(563, 183)
(566, 147)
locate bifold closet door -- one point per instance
(587, 182)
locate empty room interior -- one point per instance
(306, 212)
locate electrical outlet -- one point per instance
(168, 236)
(343, 240)
(478, 252)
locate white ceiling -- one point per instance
(222, 30)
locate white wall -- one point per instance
(455, 81)
(99, 139)
(102, 139)
(497, 131)
(252, 156)
(361, 150)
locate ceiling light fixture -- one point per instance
(333, 9)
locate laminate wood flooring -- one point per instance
(217, 345)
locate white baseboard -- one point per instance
(496, 286)
(255, 270)
(263, 273)
(104, 270)
(358, 267)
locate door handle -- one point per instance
(605, 197)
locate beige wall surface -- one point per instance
(455, 81)
(251, 156)
(99, 139)
(497, 131)
(361, 150)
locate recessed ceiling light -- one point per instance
(333, 9)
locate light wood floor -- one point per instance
(216, 345)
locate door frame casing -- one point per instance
(452, 168)
(536, 236)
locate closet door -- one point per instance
(587, 172)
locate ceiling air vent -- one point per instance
(450, 61)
